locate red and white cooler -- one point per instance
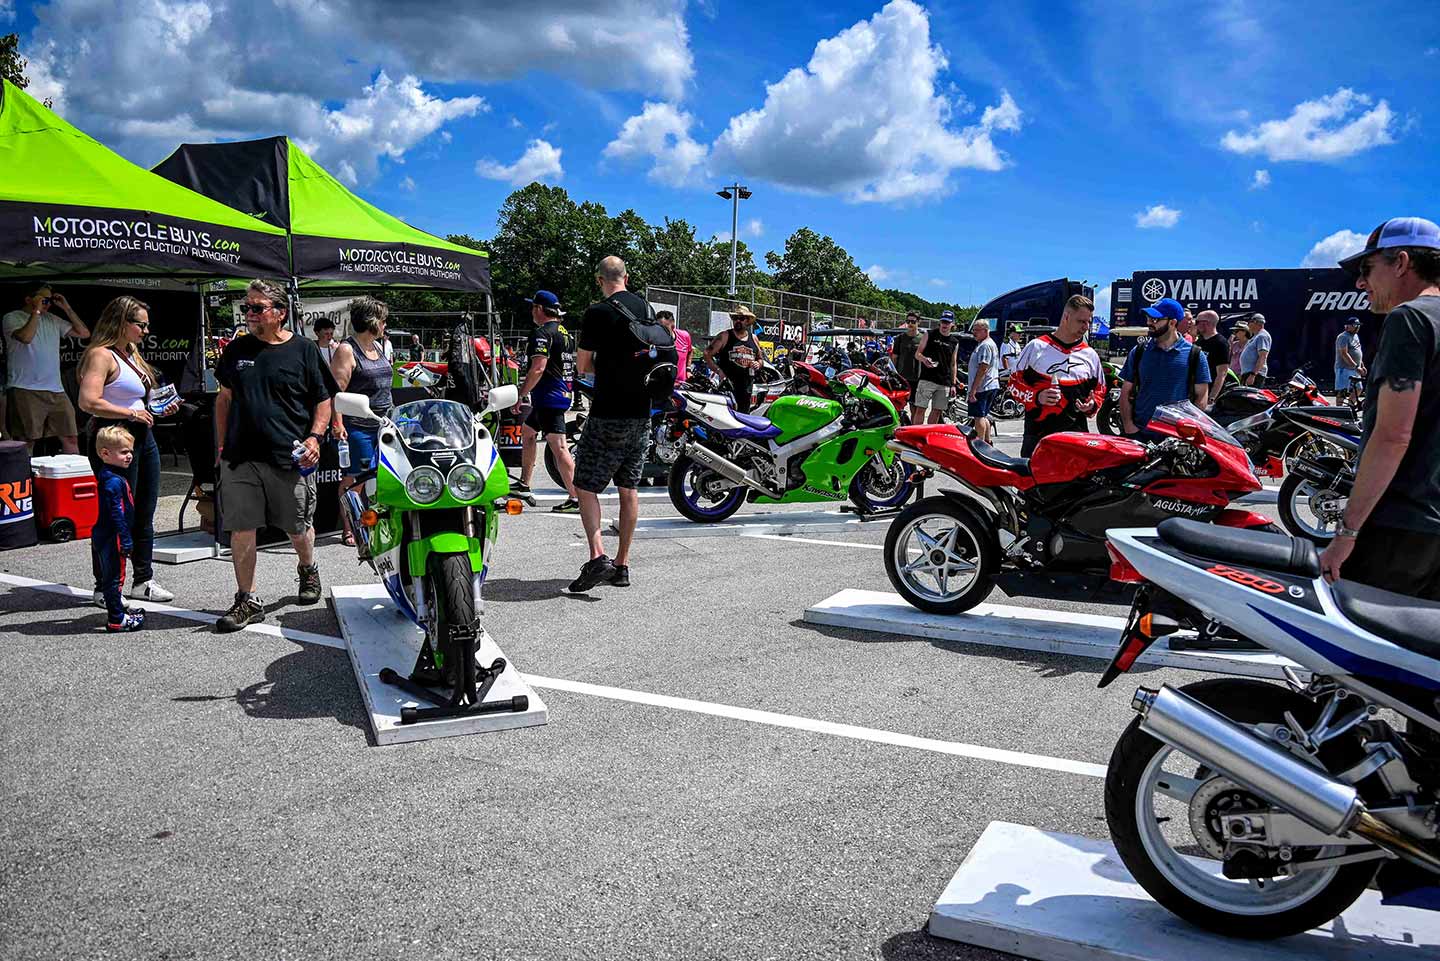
(66, 497)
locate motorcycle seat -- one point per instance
(759, 425)
(1408, 622)
(1273, 552)
(998, 459)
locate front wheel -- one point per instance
(701, 494)
(454, 631)
(1165, 812)
(941, 556)
(878, 487)
(1310, 511)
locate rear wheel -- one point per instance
(552, 468)
(941, 556)
(1164, 812)
(1310, 511)
(701, 494)
(448, 590)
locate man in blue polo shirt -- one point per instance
(1165, 369)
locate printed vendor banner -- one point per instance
(94, 240)
(376, 262)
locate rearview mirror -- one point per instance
(502, 398)
(353, 405)
(1191, 434)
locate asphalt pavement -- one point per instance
(181, 794)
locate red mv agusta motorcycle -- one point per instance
(1038, 525)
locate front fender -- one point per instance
(417, 553)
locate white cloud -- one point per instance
(1316, 130)
(540, 161)
(1157, 215)
(939, 282)
(200, 67)
(752, 228)
(864, 118)
(408, 184)
(661, 133)
(1261, 180)
(1327, 252)
(877, 273)
(7, 11)
(1102, 301)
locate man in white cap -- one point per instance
(1390, 534)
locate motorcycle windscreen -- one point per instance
(431, 425)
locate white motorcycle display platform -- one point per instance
(762, 522)
(1061, 897)
(378, 636)
(184, 548)
(1027, 629)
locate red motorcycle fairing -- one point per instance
(947, 446)
(1065, 456)
(820, 384)
(1233, 478)
(1235, 517)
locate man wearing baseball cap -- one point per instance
(1390, 533)
(1349, 362)
(936, 354)
(1166, 369)
(1255, 358)
(547, 387)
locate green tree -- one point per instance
(12, 64)
(816, 265)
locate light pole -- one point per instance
(734, 193)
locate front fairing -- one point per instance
(450, 436)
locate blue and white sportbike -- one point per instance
(1260, 810)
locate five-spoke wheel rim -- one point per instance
(937, 556)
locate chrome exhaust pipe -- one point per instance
(725, 467)
(1312, 795)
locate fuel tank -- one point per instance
(1066, 456)
(798, 416)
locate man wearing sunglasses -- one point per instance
(37, 406)
(1390, 535)
(275, 390)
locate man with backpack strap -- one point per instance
(1165, 369)
(633, 359)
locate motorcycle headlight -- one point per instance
(465, 482)
(424, 485)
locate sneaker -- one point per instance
(518, 488)
(245, 611)
(129, 621)
(309, 584)
(150, 591)
(98, 599)
(568, 506)
(619, 575)
(595, 570)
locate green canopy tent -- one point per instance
(335, 237)
(71, 207)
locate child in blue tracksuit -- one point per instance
(111, 538)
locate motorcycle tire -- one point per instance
(454, 600)
(1107, 420)
(1290, 494)
(680, 472)
(983, 547)
(552, 468)
(1248, 702)
(865, 480)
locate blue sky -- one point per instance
(959, 150)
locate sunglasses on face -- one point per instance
(142, 324)
(255, 308)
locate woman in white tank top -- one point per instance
(115, 382)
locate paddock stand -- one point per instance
(468, 698)
(918, 477)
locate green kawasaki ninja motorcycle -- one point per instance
(426, 520)
(805, 449)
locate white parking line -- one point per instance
(793, 722)
(815, 540)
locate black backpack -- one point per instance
(651, 358)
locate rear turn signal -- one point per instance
(369, 518)
(514, 506)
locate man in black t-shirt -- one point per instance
(936, 356)
(547, 388)
(903, 347)
(612, 446)
(735, 355)
(1390, 534)
(275, 390)
(1216, 347)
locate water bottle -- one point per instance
(297, 451)
(344, 448)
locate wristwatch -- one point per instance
(319, 438)
(1349, 532)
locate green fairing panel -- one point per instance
(497, 484)
(799, 416)
(827, 477)
(418, 552)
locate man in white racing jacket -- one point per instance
(1058, 377)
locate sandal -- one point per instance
(348, 539)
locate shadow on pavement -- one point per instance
(83, 617)
(314, 681)
(510, 589)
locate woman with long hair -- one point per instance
(115, 386)
(360, 366)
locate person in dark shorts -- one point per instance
(1217, 352)
(984, 378)
(612, 446)
(275, 392)
(547, 388)
(902, 350)
(359, 366)
(936, 356)
(735, 355)
(1390, 535)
